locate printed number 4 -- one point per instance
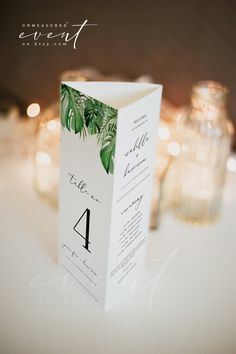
(84, 223)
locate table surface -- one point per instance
(184, 301)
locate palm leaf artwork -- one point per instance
(87, 116)
(71, 113)
(93, 114)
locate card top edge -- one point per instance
(113, 83)
(115, 94)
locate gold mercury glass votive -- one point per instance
(201, 165)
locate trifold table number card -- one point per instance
(108, 141)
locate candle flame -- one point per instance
(33, 110)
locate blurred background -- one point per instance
(176, 42)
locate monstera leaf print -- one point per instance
(87, 116)
(93, 114)
(107, 152)
(71, 114)
(107, 138)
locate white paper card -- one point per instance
(108, 141)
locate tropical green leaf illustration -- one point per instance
(87, 116)
(107, 152)
(93, 114)
(108, 124)
(71, 116)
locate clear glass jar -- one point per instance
(205, 146)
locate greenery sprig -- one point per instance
(87, 116)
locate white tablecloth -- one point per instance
(183, 303)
